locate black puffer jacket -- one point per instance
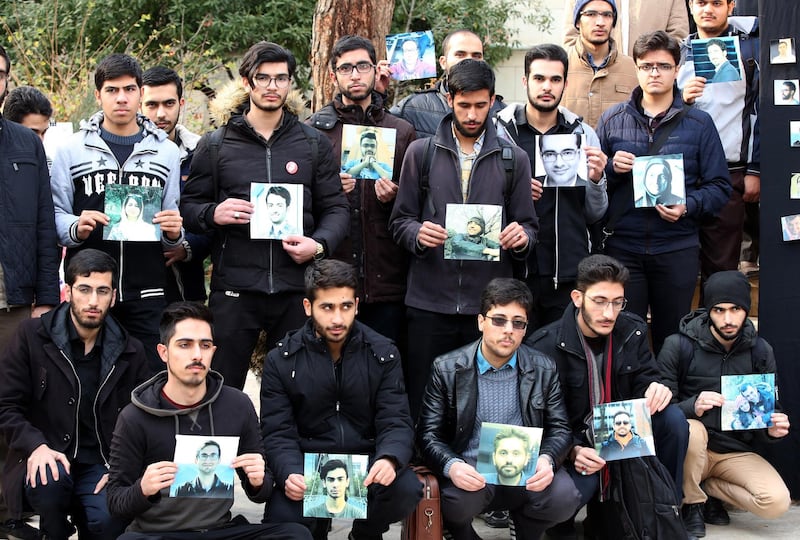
(450, 405)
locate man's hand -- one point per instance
(623, 162)
(464, 476)
(295, 487)
(596, 161)
(780, 425)
(101, 484)
(157, 476)
(671, 213)
(170, 222)
(431, 235)
(300, 248)
(657, 397)
(536, 189)
(38, 311)
(382, 472)
(175, 254)
(706, 401)
(348, 182)
(385, 190)
(383, 76)
(233, 212)
(586, 460)
(694, 89)
(542, 477)
(253, 466)
(88, 221)
(752, 188)
(39, 460)
(513, 237)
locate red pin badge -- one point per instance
(291, 167)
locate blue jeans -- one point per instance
(73, 495)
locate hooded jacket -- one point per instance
(40, 395)
(709, 362)
(240, 263)
(145, 434)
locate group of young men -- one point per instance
(369, 326)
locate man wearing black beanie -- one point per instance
(716, 341)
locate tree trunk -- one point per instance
(333, 19)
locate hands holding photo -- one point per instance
(295, 487)
(542, 477)
(253, 466)
(706, 401)
(596, 162)
(466, 477)
(586, 460)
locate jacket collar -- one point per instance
(584, 55)
(444, 135)
(566, 120)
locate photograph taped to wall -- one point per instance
(658, 180)
(749, 401)
(278, 210)
(560, 160)
(623, 430)
(204, 466)
(411, 55)
(718, 59)
(786, 92)
(794, 134)
(507, 454)
(368, 151)
(335, 486)
(473, 232)
(794, 186)
(782, 51)
(790, 227)
(131, 210)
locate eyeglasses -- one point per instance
(602, 303)
(361, 67)
(501, 322)
(208, 457)
(263, 80)
(569, 154)
(659, 68)
(592, 14)
(622, 422)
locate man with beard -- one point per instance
(553, 263)
(512, 452)
(336, 386)
(624, 443)
(722, 466)
(257, 284)
(382, 264)
(603, 355)
(466, 164)
(600, 74)
(65, 377)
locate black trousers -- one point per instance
(233, 531)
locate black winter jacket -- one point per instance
(450, 405)
(304, 409)
(40, 395)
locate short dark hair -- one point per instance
(718, 43)
(329, 274)
(117, 65)
(451, 35)
(368, 134)
(790, 84)
(4, 56)
(265, 51)
(626, 413)
(182, 311)
(598, 268)
(349, 43)
(511, 433)
(546, 51)
(578, 139)
(657, 41)
(505, 291)
(25, 100)
(209, 443)
(470, 75)
(332, 465)
(161, 76)
(89, 260)
(280, 191)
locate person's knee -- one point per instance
(773, 503)
(53, 493)
(398, 499)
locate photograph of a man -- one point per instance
(658, 180)
(513, 448)
(473, 232)
(335, 479)
(563, 160)
(782, 51)
(786, 92)
(723, 69)
(207, 484)
(790, 225)
(375, 151)
(278, 210)
(624, 443)
(411, 63)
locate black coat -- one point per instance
(450, 405)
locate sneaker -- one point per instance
(17, 529)
(714, 512)
(692, 515)
(497, 519)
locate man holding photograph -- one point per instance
(722, 467)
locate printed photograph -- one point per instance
(749, 401)
(794, 186)
(718, 59)
(560, 160)
(278, 210)
(204, 466)
(507, 454)
(335, 486)
(790, 227)
(368, 151)
(794, 134)
(623, 430)
(473, 232)
(411, 55)
(132, 209)
(782, 51)
(658, 180)
(786, 92)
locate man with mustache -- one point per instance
(722, 466)
(65, 377)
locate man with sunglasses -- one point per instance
(497, 379)
(624, 443)
(603, 355)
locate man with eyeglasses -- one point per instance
(600, 74)
(65, 377)
(258, 284)
(501, 380)
(560, 155)
(603, 355)
(206, 485)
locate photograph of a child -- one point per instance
(368, 151)
(560, 160)
(749, 401)
(790, 227)
(473, 232)
(204, 466)
(782, 51)
(131, 209)
(785, 92)
(335, 486)
(278, 210)
(658, 180)
(623, 430)
(412, 55)
(507, 454)
(717, 59)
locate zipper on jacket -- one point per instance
(270, 278)
(96, 416)
(339, 402)
(77, 403)
(555, 270)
